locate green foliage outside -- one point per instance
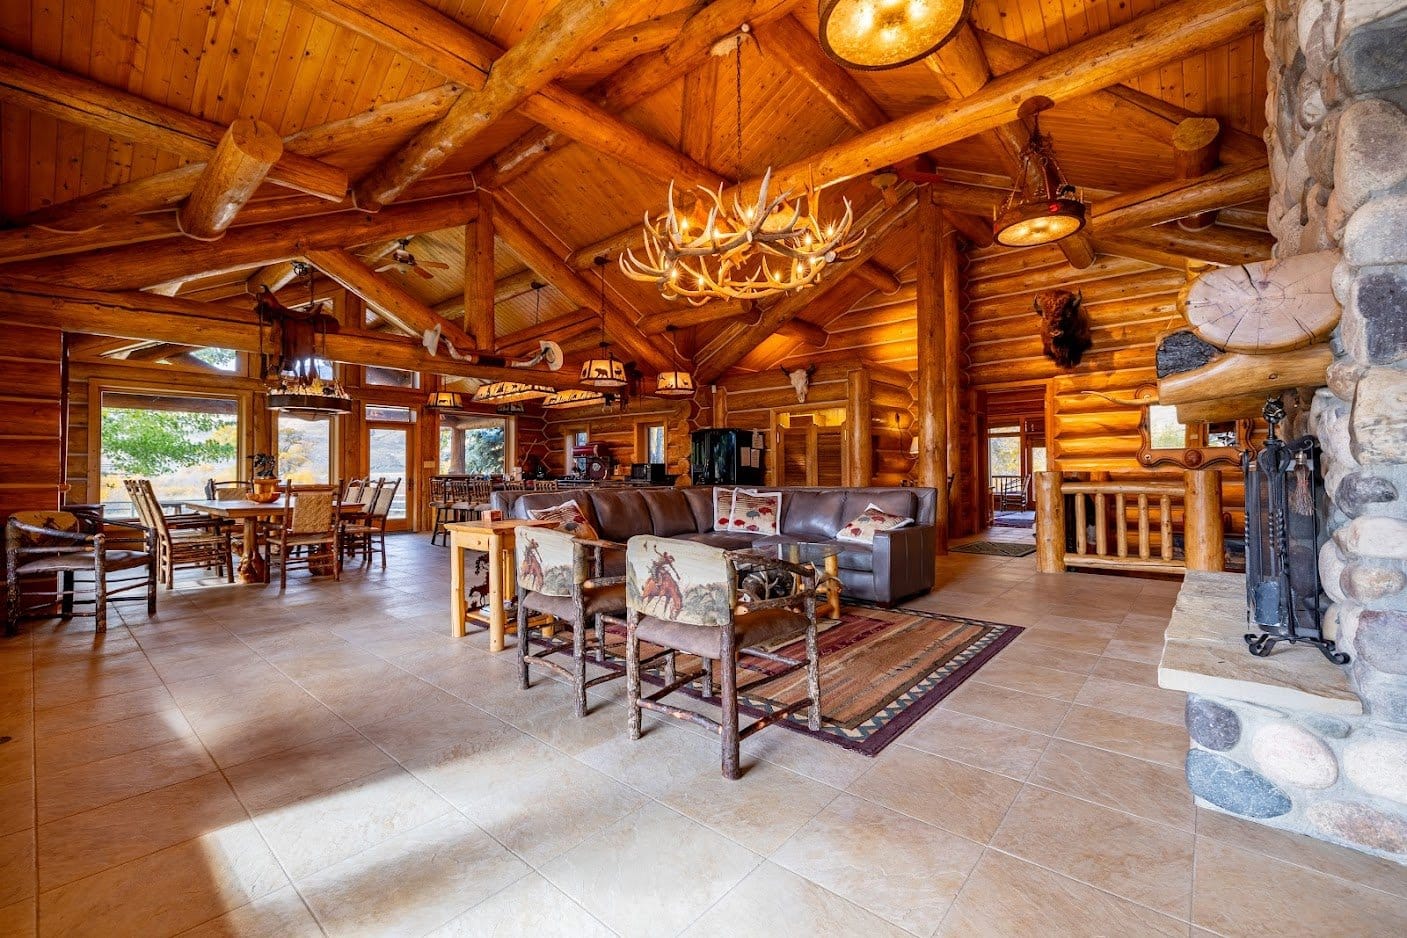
(483, 451)
(177, 450)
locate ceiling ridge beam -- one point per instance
(121, 114)
(389, 300)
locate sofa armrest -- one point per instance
(903, 561)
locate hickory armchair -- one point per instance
(684, 597)
(560, 576)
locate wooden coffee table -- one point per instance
(497, 539)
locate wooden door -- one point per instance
(807, 454)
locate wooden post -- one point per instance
(857, 427)
(937, 261)
(1196, 148)
(1050, 523)
(241, 160)
(478, 276)
(1202, 532)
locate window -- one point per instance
(473, 445)
(377, 412)
(654, 443)
(176, 442)
(305, 447)
(392, 377)
(225, 359)
(1003, 452)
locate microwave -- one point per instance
(650, 473)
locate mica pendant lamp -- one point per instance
(678, 383)
(444, 400)
(876, 34)
(1044, 207)
(603, 371)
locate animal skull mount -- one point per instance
(800, 379)
(1065, 335)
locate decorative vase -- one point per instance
(265, 491)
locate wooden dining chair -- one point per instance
(179, 545)
(368, 533)
(308, 531)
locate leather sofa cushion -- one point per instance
(814, 514)
(753, 628)
(719, 539)
(669, 512)
(620, 515)
(856, 557)
(700, 501)
(898, 502)
(772, 539)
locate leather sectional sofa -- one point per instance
(898, 565)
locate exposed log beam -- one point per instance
(1121, 247)
(1237, 375)
(157, 352)
(142, 316)
(125, 116)
(554, 329)
(562, 34)
(696, 112)
(807, 333)
(1196, 147)
(642, 77)
(275, 277)
(1178, 198)
(796, 47)
(532, 249)
(141, 265)
(938, 297)
(478, 290)
(976, 229)
(391, 301)
(244, 156)
(1122, 106)
(1217, 244)
(1168, 34)
(737, 339)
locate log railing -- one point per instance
(1138, 515)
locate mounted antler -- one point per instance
(800, 379)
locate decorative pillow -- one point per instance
(723, 508)
(863, 528)
(755, 512)
(568, 517)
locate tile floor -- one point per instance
(330, 761)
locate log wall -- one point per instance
(617, 428)
(31, 425)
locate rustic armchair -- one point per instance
(63, 544)
(559, 576)
(308, 533)
(683, 597)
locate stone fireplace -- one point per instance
(1293, 741)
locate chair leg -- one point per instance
(707, 676)
(66, 600)
(728, 675)
(600, 639)
(579, 664)
(632, 674)
(283, 567)
(522, 613)
(381, 540)
(228, 557)
(813, 677)
(151, 589)
(12, 595)
(100, 597)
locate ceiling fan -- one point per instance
(402, 260)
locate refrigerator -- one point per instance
(722, 456)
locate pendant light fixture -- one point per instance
(878, 34)
(300, 389)
(712, 251)
(603, 371)
(444, 400)
(575, 397)
(510, 392)
(678, 383)
(1043, 207)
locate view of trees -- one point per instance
(304, 448)
(483, 450)
(178, 450)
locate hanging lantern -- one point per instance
(575, 397)
(303, 341)
(674, 384)
(877, 34)
(444, 400)
(603, 371)
(1044, 207)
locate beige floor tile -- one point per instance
(1129, 736)
(20, 919)
(1296, 849)
(543, 812)
(995, 747)
(1148, 703)
(651, 873)
(1009, 898)
(280, 913)
(305, 771)
(112, 709)
(1032, 679)
(16, 806)
(825, 763)
(117, 777)
(1147, 652)
(199, 880)
(303, 721)
(315, 833)
(395, 693)
(846, 846)
(760, 811)
(413, 882)
(87, 843)
(1150, 790)
(956, 797)
(663, 757)
(773, 901)
(1231, 897)
(1126, 671)
(1050, 654)
(1027, 711)
(530, 908)
(1147, 863)
(16, 867)
(58, 752)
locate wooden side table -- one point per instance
(497, 539)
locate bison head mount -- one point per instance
(1065, 335)
(800, 379)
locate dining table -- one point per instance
(249, 513)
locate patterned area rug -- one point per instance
(881, 670)
(996, 549)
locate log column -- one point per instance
(1202, 533)
(936, 300)
(479, 276)
(858, 432)
(244, 156)
(1050, 523)
(1196, 148)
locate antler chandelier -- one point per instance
(716, 251)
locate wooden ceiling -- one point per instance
(292, 66)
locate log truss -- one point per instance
(244, 203)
